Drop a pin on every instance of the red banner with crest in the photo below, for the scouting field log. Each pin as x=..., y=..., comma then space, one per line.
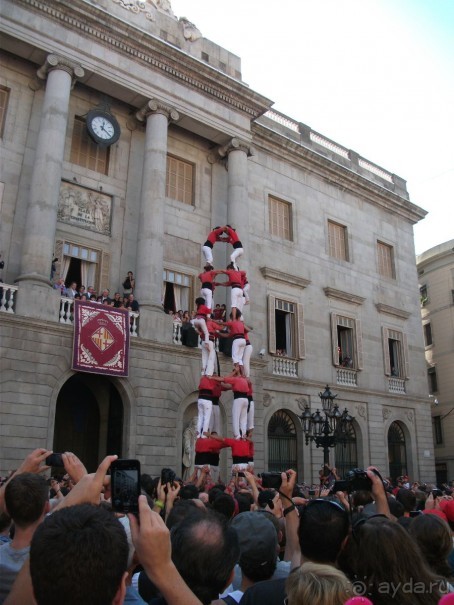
x=101, y=339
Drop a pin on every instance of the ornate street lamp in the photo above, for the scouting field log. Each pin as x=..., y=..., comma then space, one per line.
x=325, y=431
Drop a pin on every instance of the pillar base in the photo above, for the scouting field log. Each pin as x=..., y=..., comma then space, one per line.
x=154, y=324
x=37, y=299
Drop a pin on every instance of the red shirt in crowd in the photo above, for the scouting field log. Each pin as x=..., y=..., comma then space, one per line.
x=203, y=311
x=233, y=235
x=239, y=447
x=236, y=327
x=207, y=384
x=239, y=384
x=213, y=236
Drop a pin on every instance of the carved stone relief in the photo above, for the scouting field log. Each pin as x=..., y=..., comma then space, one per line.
x=84, y=208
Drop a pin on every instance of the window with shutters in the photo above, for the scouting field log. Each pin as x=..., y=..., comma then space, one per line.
x=337, y=240
x=286, y=328
x=85, y=152
x=180, y=180
x=280, y=218
x=4, y=98
x=83, y=265
x=395, y=352
x=346, y=340
x=433, y=382
x=427, y=334
x=438, y=431
x=177, y=291
x=397, y=451
x=385, y=260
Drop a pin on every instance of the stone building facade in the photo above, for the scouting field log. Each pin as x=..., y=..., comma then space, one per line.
x=436, y=283
x=327, y=234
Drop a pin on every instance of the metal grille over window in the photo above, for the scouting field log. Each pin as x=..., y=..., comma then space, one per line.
x=345, y=452
x=397, y=454
x=282, y=450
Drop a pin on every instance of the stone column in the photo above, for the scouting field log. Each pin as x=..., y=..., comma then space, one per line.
x=237, y=153
x=150, y=242
x=41, y=218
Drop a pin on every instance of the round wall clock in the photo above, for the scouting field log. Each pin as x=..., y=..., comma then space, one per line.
x=103, y=127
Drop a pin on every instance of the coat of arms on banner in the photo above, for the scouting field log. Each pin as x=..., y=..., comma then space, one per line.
x=101, y=339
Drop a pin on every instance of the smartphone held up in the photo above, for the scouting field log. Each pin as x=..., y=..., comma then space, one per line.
x=125, y=485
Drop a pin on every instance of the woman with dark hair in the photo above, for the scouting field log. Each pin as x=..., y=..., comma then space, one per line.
x=433, y=536
x=386, y=565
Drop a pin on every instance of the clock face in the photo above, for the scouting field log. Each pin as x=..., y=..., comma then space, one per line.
x=102, y=127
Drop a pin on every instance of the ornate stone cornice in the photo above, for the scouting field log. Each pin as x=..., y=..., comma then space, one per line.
x=345, y=296
x=100, y=27
x=382, y=308
x=293, y=280
x=52, y=62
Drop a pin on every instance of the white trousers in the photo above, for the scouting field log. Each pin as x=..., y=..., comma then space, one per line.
x=250, y=416
x=208, y=358
x=237, y=298
x=239, y=417
x=247, y=360
x=199, y=322
x=208, y=254
x=246, y=289
x=235, y=254
x=208, y=296
x=215, y=422
x=237, y=350
x=204, y=407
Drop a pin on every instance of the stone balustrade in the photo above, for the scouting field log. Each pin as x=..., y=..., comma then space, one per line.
x=396, y=385
x=346, y=377
x=284, y=366
x=66, y=315
x=7, y=297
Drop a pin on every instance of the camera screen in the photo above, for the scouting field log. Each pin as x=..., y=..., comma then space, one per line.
x=125, y=488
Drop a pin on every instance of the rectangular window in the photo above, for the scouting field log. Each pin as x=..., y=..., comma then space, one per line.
x=85, y=152
x=337, y=238
x=346, y=342
x=177, y=291
x=438, y=433
x=385, y=257
x=4, y=98
x=395, y=352
x=180, y=180
x=423, y=296
x=285, y=328
x=433, y=383
x=427, y=334
x=280, y=218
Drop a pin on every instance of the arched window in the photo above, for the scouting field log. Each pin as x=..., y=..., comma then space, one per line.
x=281, y=442
x=346, y=453
x=397, y=454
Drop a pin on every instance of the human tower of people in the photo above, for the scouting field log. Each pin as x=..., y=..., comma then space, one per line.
x=209, y=442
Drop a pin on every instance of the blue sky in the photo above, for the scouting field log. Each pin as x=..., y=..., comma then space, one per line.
x=377, y=76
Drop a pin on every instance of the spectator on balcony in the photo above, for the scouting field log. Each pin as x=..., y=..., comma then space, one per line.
x=129, y=284
x=105, y=298
x=81, y=290
x=91, y=292
x=132, y=304
x=117, y=300
x=60, y=285
x=72, y=290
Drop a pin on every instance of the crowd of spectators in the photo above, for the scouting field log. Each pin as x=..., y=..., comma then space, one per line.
x=197, y=542
x=124, y=300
